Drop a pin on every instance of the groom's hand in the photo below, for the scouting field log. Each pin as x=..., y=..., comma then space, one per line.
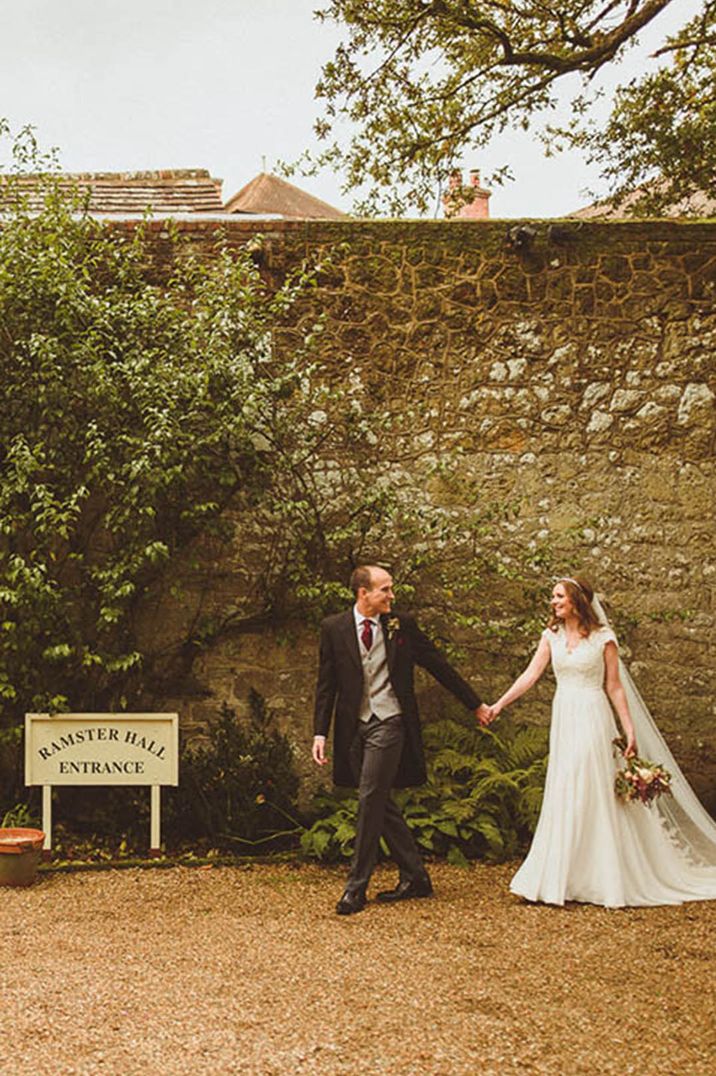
x=319, y=750
x=484, y=714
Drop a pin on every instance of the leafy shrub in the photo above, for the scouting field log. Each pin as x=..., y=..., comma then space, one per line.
x=21, y=816
x=482, y=797
x=484, y=790
x=143, y=397
x=331, y=837
x=135, y=413
x=239, y=788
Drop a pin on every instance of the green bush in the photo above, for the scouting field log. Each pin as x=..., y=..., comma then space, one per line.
x=21, y=816
x=481, y=800
x=134, y=413
x=238, y=789
x=332, y=836
x=141, y=398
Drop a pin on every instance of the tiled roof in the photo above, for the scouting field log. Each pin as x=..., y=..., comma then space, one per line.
x=186, y=190
x=699, y=204
x=267, y=193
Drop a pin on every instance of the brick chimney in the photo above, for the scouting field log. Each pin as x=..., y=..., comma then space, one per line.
x=471, y=202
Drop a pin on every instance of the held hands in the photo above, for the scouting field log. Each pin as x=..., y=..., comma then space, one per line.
x=485, y=714
x=319, y=750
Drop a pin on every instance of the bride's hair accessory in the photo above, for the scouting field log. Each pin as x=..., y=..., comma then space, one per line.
x=568, y=579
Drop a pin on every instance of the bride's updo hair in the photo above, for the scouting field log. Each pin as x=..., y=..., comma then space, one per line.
x=580, y=593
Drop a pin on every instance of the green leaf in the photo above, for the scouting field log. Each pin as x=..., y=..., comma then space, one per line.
x=456, y=857
x=58, y=652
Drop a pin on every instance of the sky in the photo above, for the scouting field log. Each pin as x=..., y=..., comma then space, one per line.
x=224, y=85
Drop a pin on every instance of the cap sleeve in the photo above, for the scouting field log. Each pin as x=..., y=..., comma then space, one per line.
x=606, y=635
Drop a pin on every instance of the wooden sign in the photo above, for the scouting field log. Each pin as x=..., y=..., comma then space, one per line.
x=102, y=749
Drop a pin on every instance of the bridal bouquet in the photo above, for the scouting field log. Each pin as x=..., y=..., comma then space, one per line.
x=641, y=780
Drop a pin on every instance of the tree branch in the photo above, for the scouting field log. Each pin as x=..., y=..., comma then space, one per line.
x=587, y=59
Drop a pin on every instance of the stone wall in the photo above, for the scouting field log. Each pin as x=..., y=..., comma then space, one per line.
x=572, y=366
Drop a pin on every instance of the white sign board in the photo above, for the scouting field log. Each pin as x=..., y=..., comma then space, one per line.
x=101, y=749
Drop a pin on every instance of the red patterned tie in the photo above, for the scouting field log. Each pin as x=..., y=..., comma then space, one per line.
x=367, y=634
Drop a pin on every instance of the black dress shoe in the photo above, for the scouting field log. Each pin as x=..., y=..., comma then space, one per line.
x=351, y=903
x=408, y=890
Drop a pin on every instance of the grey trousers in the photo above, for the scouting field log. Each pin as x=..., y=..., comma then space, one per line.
x=374, y=758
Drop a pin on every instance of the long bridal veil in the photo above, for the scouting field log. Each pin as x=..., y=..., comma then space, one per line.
x=687, y=823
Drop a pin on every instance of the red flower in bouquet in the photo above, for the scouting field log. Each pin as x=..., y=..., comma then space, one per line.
x=640, y=779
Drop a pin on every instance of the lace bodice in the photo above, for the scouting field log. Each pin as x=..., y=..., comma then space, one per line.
x=582, y=667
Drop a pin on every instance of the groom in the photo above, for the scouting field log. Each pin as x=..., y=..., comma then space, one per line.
x=365, y=672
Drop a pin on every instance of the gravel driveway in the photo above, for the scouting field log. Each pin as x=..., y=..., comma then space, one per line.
x=248, y=970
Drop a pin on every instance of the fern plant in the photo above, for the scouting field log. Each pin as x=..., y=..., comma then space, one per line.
x=483, y=793
x=332, y=835
x=481, y=800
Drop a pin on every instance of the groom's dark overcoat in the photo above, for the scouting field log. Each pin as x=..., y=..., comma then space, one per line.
x=340, y=687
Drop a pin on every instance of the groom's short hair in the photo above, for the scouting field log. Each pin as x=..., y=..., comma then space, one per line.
x=362, y=576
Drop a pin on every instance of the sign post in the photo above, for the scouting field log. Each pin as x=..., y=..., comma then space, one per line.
x=102, y=749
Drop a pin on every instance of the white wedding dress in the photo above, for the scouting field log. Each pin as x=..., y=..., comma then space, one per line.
x=589, y=845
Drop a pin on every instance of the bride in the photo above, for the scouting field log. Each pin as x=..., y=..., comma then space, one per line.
x=589, y=846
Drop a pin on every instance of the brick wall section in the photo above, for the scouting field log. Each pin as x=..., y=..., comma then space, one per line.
x=573, y=364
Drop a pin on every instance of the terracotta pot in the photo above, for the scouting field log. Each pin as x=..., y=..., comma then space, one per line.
x=20, y=852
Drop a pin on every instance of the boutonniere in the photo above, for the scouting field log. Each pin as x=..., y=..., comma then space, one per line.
x=392, y=625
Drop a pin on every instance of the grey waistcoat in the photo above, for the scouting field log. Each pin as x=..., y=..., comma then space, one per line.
x=378, y=695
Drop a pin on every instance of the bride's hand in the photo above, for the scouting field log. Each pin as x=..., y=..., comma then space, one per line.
x=630, y=749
